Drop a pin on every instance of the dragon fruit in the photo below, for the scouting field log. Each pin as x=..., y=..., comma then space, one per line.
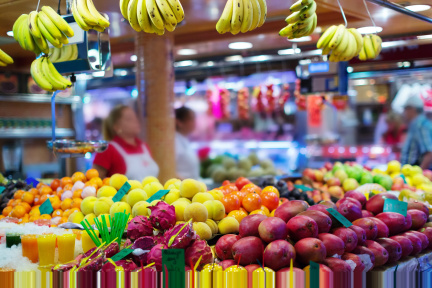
x=183, y=239
x=155, y=255
x=111, y=250
x=128, y=266
x=142, y=244
x=162, y=216
x=93, y=265
x=138, y=227
x=193, y=253
x=159, y=238
x=127, y=243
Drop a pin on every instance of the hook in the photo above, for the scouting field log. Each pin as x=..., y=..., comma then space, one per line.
x=343, y=14
x=370, y=16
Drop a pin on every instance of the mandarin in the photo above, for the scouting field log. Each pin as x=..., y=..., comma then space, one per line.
x=55, y=184
x=28, y=197
x=66, y=204
x=18, y=194
x=18, y=211
x=64, y=181
x=252, y=202
x=92, y=173
x=78, y=176
x=7, y=210
x=271, y=189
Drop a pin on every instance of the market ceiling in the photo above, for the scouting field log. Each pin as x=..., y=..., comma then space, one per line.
x=198, y=30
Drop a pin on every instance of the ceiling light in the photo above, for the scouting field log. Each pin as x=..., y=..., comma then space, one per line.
x=186, y=52
x=350, y=69
x=260, y=58
x=240, y=45
x=418, y=8
x=424, y=37
x=301, y=39
x=133, y=58
x=185, y=63
x=210, y=63
x=10, y=33
x=370, y=29
x=234, y=58
x=289, y=51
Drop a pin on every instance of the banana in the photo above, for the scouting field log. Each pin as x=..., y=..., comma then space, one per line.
x=57, y=75
x=224, y=23
x=293, y=18
x=167, y=14
x=42, y=44
x=143, y=17
x=169, y=27
x=58, y=21
x=79, y=20
x=85, y=13
x=38, y=76
x=55, y=54
x=288, y=30
x=27, y=38
x=309, y=12
x=333, y=57
x=359, y=39
x=5, y=57
x=17, y=25
x=303, y=31
x=368, y=46
x=55, y=42
x=342, y=45
x=49, y=25
x=307, y=2
x=18, y=33
x=98, y=28
x=325, y=50
x=124, y=4
x=314, y=25
x=133, y=16
x=337, y=37
x=157, y=30
x=326, y=37
x=32, y=23
x=297, y=6
x=63, y=39
x=74, y=54
x=65, y=55
x=247, y=16
x=362, y=54
x=155, y=16
x=351, y=48
x=256, y=14
x=2, y=64
x=46, y=73
x=305, y=23
x=376, y=41
x=177, y=9
x=237, y=17
x=100, y=18
x=263, y=10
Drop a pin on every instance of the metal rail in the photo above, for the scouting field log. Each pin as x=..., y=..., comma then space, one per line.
x=401, y=9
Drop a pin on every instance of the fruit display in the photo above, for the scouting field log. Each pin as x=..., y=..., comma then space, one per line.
x=65, y=53
x=5, y=59
x=372, y=46
x=10, y=187
x=242, y=16
x=87, y=16
x=46, y=75
x=152, y=16
x=302, y=21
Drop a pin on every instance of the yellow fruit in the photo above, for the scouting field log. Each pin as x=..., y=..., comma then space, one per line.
x=152, y=188
x=149, y=179
x=180, y=206
x=76, y=217
x=407, y=170
x=170, y=182
x=90, y=218
x=180, y=222
x=117, y=181
x=228, y=225
x=213, y=226
x=136, y=196
x=106, y=191
x=87, y=242
x=87, y=205
x=120, y=207
x=215, y=209
x=196, y=211
x=135, y=184
x=217, y=194
x=175, y=185
x=272, y=213
x=203, y=186
x=102, y=206
x=393, y=167
x=189, y=187
x=140, y=208
x=172, y=196
x=124, y=198
x=202, y=197
x=185, y=200
x=154, y=202
x=202, y=230
x=418, y=179
x=106, y=217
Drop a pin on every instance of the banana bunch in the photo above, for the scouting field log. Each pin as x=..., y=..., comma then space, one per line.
x=32, y=31
x=5, y=59
x=87, y=16
x=152, y=16
x=242, y=16
x=371, y=47
x=63, y=54
x=303, y=20
x=46, y=75
x=342, y=44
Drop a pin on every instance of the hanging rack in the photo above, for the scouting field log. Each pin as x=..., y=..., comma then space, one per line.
x=401, y=9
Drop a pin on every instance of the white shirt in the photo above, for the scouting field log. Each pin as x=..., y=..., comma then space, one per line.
x=187, y=161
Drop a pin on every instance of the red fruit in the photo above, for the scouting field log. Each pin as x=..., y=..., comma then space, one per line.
x=319, y=207
x=381, y=254
x=337, y=265
x=290, y=209
x=252, y=267
x=241, y=181
x=227, y=263
x=382, y=229
x=310, y=249
x=368, y=226
x=301, y=227
x=423, y=238
x=329, y=204
x=419, y=218
x=198, y=249
x=376, y=203
x=361, y=250
x=393, y=248
x=323, y=221
x=408, y=223
x=272, y=229
x=223, y=247
x=359, y=196
x=249, y=225
x=350, y=210
x=414, y=204
x=296, y=271
x=405, y=244
x=361, y=234
x=360, y=265
x=366, y=213
x=415, y=241
x=333, y=244
x=350, y=200
x=155, y=255
x=248, y=250
x=394, y=221
x=278, y=254
x=428, y=232
x=348, y=236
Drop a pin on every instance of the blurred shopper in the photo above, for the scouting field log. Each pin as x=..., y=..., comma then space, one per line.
x=126, y=154
x=396, y=130
x=417, y=149
x=186, y=158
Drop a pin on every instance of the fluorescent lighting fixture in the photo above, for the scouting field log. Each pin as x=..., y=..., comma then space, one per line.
x=418, y=8
x=369, y=29
x=98, y=74
x=350, y=69
x=389, y=44
x=10, y=33
x=186, y=52
x=305, y=61
x=240, y=45
x=424, y=37
x=259, y=58
x=234, y=58
x=289, y=51
x=301, y=39
x=185, y=63
x=210, y=63
x=133, y=58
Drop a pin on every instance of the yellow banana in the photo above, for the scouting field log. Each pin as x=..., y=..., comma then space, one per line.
x=155, y=16
x=133, y=16
x=289, y=29
x=46, y=73
x=309, y=12
x=4, y=57
x=49, y=25
x=177, y=9
x=42, y=44
x=66, y=52
x=293, y=18
x=343, y=44
x=143, y=17
x=351, y=48
x=58, y=21
x=256, y=14
x=57, y=75
x=44, y=31
x=38, y=76
x=368, y=46
x=314, y=25
x=85, y=13
x=17, y=28
x=74, y=54
x=124, y=4
x=337, y=37
x=100, y=18
x=224, y=23
x=305, y=23
x=237, y=17
x=55, y=54
x=32, y=23
x=263, y=10
x=325, y=50
x=79, y=20
x=362, y=54
x=157, y=30
x=326, y=37
x=2, y=64
x=247, y=16
x=27, y=38
x=376, y=41
x=167, y=14
x=297, y=6
x=359, y=39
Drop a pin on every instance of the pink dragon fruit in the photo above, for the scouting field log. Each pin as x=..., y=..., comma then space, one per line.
x=183, y=239
x=144, y=243
x=128, y=266
x=155, y=255
x=138, y=227
x=159, y=239
x=111, y=250
x=193, y=253
x=127, y=243
x=162, y=216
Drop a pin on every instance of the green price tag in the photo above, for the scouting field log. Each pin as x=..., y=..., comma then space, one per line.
x=303, y=187
x=403, y=178
x=46, y=208
x=2, y=188
x=123, y=253
x=173, y=263
x=339, y=217
x=158, y=195
x=314, y=275
x=121, y=192
x=392, y=205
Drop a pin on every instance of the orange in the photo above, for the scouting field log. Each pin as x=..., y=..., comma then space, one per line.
x=231, y=202
x=68, y=187
x=34, y=191
x=76, y=203
x=33, y=218
x=18, y=194
x=97, y=181
x=25, y=219
x=259, y=211
x=271, y=189
x=92, y=173
x=10, y=202
x=45, y=216
x=18, y=211
x=77, y=193
x=37, y=200
x=16, y=202
x=238, y=215
x=66, y=204
x=55, y=184
x=242, y=209
x=256, y=188
x=230, y=188
x=55, y=201
x=45, y=190
x=265, y=209
x=28, y=197
x=34, y=212
x=63, y=220
x=252, y=202
x=39, y=185
x=240, y=194
x=42, y=199
x=57, y=213
x=59, y=193
x=78, y=176
x=270, y=200
x=2, y=216
x=105, y=181
x=26, y=206
x=64, y=181
x=7, y=210
x=69, y=212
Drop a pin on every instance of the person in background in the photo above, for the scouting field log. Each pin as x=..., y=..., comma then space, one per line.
x=126, y=154
x=417, y=149
x=186, y=158
x=396, y=130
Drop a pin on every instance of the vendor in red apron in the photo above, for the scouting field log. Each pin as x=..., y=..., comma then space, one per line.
x=126, y=154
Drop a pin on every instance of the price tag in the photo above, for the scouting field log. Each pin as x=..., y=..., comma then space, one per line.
x=403, y=178
x=32, y=181
x=158, y=195
x=314, y=275
x=339, y=217
x=46, y=208
x=173, y=263
x=123, y=253
x=2, y=188
x=121, y=192
x=303, y=187
x=392, y=205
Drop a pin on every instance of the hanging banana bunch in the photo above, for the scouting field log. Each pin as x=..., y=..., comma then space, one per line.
x=371, y=48
x=66, y=53
x=46, y=75
x=242, y=16
x=303, y=20
x=5, y=59
x=87, y=16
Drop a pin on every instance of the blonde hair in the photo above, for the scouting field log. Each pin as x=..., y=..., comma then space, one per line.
x=109, y=122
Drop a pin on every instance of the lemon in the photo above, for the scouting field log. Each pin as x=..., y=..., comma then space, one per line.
x=90, y=218
x=102, y=205
x=87, y=205
x=76, y=217
x=120, y=207
x=393, y=167
x=180, y=206
x=196, y=211
x=228, y=225
x=215, y=209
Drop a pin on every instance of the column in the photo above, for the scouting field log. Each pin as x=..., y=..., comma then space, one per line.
x=155, y=84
